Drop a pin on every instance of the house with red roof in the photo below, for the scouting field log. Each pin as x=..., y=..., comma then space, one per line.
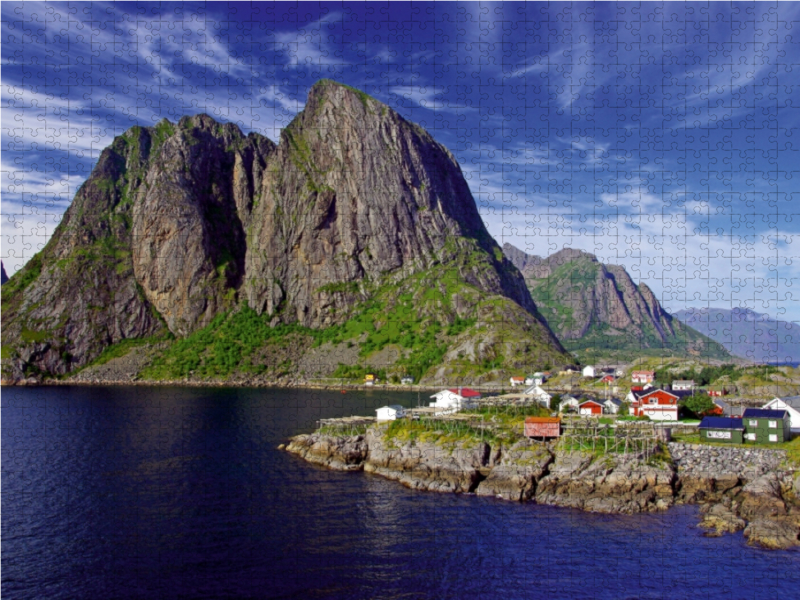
x=453, y=400
x=643, y=376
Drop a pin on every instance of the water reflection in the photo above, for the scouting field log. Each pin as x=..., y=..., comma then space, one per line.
x=148, y=492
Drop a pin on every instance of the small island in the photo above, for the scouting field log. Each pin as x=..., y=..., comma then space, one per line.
x=512, y=447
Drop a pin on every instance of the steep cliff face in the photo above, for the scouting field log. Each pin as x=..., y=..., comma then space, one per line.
x=355, y=214
x=590, y=305
x=354, y=193
x=189, y=216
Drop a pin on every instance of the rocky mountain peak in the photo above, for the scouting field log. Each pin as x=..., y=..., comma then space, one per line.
x=182, y=224
x=598, y=308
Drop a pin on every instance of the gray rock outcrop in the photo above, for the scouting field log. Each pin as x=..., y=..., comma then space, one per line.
x=759, y=499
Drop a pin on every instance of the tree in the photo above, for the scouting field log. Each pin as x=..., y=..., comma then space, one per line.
x=698, y=405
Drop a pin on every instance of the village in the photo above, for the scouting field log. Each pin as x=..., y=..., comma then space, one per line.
x=625, y=441
x=655, y=410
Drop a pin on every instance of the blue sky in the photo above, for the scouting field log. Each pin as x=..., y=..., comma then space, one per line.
x=661, y=136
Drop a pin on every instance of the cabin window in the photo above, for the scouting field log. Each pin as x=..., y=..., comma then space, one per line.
x=752, y=423
x=653, y=400
x=750, y=436
x=773, y=437
x=773, y=424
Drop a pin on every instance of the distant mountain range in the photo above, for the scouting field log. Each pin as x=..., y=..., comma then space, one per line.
x=743, y=332
x=598, y=311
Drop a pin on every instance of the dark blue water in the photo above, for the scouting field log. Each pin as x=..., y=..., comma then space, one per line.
x=180, y=493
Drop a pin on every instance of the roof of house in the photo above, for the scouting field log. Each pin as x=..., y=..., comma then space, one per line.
x=793, y=401
x=655, y=391
x=764, y=414
x=466, y=392
x=643, y=373
x=533, y=390
x=720, y=423
x=543, y=420
x=683, y=382
x=614, y=401
x=517, y=379
x=591, y=401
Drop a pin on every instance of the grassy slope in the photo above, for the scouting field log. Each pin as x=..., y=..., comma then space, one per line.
x=418, y=315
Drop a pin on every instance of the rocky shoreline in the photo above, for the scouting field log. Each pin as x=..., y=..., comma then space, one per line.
x=745, y=489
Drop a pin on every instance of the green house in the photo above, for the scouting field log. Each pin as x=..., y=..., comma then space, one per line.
x=766, y=426
x=722, y=429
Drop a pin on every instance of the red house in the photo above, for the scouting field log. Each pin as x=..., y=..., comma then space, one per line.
x=542, y=427
x=717, y=392
x=590, y=407
x=608, y=379
x=658, y=405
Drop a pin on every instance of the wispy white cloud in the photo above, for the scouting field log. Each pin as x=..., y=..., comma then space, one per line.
x=308, y=46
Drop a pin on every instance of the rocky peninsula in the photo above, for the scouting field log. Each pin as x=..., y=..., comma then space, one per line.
x=754, y=490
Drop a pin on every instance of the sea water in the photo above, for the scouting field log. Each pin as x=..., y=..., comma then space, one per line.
x=147, y=492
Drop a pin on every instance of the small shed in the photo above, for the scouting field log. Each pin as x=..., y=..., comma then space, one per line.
x=766, y=426
x=588, y=371
x=542, y=427
x=722, y=429
x=390, y=413
x=590, y=407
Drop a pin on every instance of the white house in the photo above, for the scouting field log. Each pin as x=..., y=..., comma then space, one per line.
x=450, y=401
x=541, y=396
x=568, y=402
x=611, y=406
x=791, y=404
x=683, y=385
x=390, y=413
x=588, y=371
x=643, y=376
x=515, y=381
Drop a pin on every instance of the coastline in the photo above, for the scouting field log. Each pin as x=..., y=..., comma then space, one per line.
x=284, y=384
x=738, y=489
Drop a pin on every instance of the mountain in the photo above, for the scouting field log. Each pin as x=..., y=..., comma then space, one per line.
x=598, y=311
x=3, y=276
x=210, y=245
x=746, y=333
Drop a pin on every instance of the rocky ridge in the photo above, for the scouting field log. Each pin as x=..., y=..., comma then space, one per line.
x=181, y=227
x=592, y=305
x=737, y=488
